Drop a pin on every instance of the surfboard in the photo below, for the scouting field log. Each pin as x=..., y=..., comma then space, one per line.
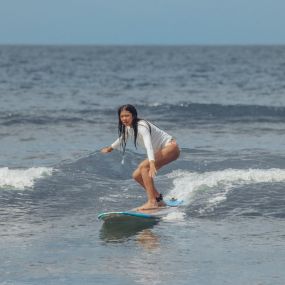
x=143, y=216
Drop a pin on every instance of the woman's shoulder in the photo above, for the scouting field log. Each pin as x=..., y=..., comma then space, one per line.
x=143, y=125
x=142, y=122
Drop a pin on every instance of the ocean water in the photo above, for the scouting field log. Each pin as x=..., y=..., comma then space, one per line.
x=226, y=107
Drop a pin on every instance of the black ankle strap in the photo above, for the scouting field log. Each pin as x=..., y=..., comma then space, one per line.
x=159, y=198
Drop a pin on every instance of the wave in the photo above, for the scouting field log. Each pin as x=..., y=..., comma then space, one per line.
x=187, y=185
x=182, y=112
x=37, y=119
x=216, y=112
x=22, y=178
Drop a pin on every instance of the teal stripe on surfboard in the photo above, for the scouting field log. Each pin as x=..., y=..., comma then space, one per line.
x=102, y=216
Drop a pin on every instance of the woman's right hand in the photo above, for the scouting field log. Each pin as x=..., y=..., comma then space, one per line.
x=106, y=149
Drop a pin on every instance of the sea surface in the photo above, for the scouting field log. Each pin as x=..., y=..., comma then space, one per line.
x=225, y=105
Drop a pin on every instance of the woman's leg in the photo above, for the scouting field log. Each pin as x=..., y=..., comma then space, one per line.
x=168, y=154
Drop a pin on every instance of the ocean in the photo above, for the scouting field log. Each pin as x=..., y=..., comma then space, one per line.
x=225, y=105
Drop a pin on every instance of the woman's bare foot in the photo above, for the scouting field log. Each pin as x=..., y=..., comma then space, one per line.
x=149, y=205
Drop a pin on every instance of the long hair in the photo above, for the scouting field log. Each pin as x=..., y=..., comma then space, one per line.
x=122, y=129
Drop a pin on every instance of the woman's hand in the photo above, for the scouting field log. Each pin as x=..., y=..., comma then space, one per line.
x=106, y=149
x=152, y=169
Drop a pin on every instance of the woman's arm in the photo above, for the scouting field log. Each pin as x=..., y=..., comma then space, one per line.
x=144, y=131
x=152, y=169
x=115, y=144
x=106, y=149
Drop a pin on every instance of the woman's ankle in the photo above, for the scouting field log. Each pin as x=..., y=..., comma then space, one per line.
x=159, y=198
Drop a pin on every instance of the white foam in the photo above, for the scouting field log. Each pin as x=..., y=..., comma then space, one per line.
x=187, y=184
x=22, y=178
x=175, y=216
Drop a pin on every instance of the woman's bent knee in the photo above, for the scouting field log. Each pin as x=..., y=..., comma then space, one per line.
x=144, y=167
x=136, y=174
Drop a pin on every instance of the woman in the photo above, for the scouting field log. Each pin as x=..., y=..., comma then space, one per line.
x=161, y=149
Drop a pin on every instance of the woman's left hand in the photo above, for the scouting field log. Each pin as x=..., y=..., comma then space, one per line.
x=152, y=169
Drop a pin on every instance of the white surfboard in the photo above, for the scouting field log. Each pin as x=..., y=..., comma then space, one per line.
x=143, y=216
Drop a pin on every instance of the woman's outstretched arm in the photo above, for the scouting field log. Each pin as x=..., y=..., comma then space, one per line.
x=106, y=149
x=114, y=145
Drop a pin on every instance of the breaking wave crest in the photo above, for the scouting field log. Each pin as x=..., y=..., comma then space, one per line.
x=188, y=184
x=22, y=178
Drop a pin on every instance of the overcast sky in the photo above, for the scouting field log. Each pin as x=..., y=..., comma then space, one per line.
x=142, y=22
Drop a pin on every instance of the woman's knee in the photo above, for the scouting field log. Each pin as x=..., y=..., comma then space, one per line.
x=136, y=174
x=144, y=166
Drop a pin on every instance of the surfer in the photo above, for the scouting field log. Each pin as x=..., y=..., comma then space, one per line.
x=161, y=149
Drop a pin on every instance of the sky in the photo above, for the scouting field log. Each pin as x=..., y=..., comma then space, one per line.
x=142, y=22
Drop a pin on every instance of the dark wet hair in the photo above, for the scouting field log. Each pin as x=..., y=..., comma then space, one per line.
x=122, y=129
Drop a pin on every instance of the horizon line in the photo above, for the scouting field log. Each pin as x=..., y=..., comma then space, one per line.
x=142, y=44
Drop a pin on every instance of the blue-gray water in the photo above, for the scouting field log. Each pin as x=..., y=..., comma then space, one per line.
x=226, y=107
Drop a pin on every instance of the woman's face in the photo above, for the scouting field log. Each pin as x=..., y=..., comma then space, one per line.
x=126, y=118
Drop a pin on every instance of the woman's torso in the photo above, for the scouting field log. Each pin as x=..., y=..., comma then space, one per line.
x=158, y=137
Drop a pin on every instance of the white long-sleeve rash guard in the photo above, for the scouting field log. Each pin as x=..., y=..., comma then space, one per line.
x=151, y=141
